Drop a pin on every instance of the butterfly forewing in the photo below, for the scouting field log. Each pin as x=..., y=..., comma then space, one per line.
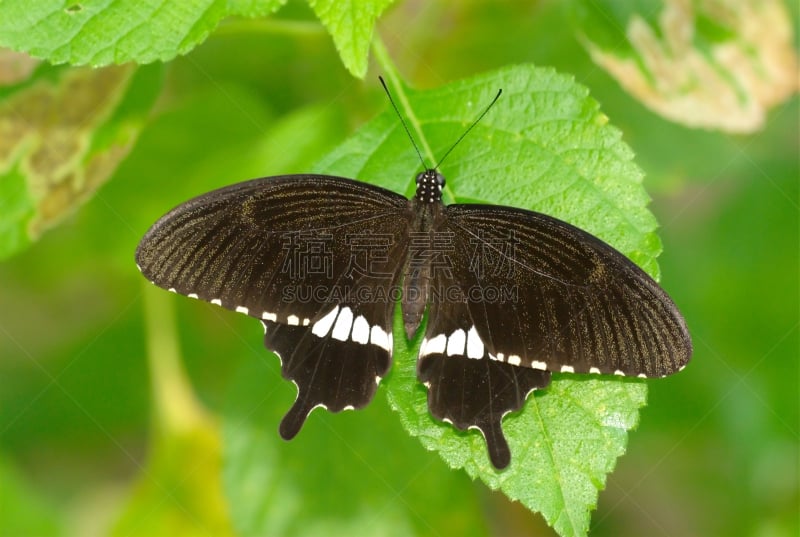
x=314, y=257
x=241, y=246
x=546, y=295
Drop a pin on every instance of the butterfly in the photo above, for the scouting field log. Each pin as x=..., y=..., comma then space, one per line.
x=511, y=295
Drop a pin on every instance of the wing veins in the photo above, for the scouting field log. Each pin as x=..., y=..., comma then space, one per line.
x=520, y=263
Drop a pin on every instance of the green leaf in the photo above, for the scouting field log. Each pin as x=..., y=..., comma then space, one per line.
x=350, y=23
x=17, y=208
x=707, y=63
x=64, y=132
x=116, y=31
x=544, y=146
x=102, y=33
x=119, y=31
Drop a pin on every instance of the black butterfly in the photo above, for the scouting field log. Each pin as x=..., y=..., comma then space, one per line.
x=512, y=295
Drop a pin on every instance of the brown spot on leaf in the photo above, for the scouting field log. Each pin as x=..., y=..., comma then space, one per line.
x=15, y=67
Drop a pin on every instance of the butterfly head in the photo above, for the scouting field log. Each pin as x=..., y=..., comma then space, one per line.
x=429, y=186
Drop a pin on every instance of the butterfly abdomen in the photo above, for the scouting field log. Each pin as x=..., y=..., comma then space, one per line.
x=424, y=250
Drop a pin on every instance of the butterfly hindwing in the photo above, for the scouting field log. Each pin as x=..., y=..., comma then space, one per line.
x=297, y=252
x=337, y=364
x=465, y=386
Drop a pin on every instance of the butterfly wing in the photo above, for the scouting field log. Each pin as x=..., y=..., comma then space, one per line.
x=528, y=295
x=572, y=304
x=298, y=253
x=465, y=386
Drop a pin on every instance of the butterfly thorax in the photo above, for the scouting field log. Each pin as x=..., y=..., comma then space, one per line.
x=429, y=186
x=427, y=220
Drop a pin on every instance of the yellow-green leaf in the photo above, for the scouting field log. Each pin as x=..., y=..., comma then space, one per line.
x=715, y=64
x=63, y=132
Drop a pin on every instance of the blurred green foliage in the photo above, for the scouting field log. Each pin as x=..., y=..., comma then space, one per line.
x=716, y=452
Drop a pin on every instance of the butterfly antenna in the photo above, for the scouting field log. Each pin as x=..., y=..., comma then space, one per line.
x=402, y=121
x=480, y=117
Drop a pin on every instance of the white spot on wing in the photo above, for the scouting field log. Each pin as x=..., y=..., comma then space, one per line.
x=529, y=392
x=216, y=301
x=513, y=359
x=567, y=369
x=436, y=345
x=594, y=370
x=474, y=344
x=172, y=290
x=306, y=321
x=323, y=326
x=267, y=316
x=456, y=343
x=538, y=365
x=642, y=376
x=619, y=372
x=242, y=309
x=192, y=295
x=360, y=330
x=344, y=322
x=293, y=320
x=378, y=337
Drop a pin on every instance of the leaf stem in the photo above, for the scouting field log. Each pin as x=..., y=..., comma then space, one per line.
x=175, y=406
x=270, y=26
